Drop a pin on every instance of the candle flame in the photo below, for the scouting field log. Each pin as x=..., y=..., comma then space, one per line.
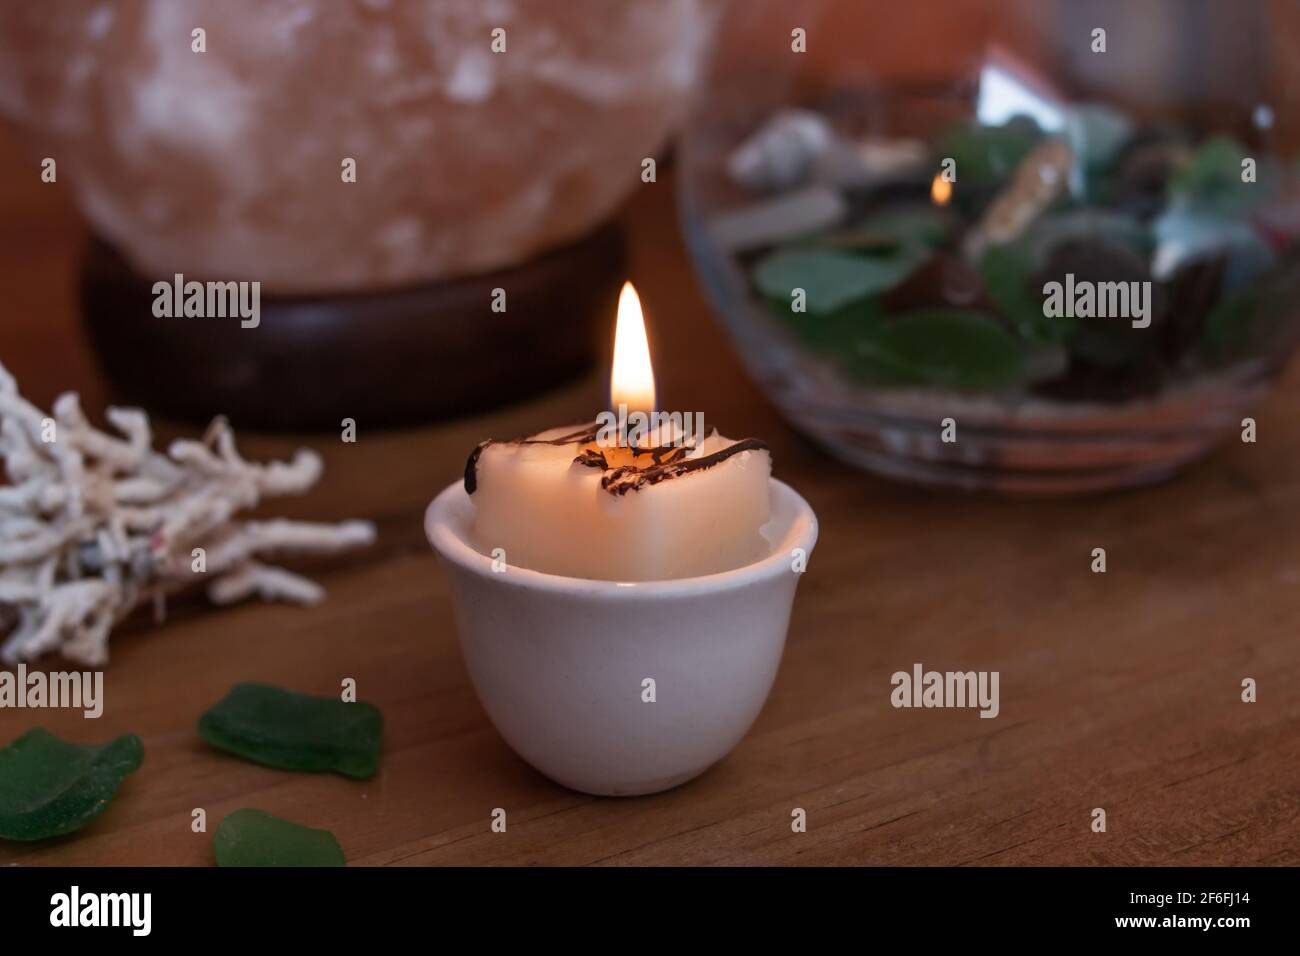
x=632, y=381
x=940, y=190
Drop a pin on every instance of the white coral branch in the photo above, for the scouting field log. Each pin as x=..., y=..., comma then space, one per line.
x=271, y=584
x=92, y=524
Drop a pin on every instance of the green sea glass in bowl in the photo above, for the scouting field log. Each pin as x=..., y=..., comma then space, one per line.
x=1031, y=246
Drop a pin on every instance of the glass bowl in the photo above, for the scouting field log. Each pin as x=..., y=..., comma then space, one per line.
x=1032, y=246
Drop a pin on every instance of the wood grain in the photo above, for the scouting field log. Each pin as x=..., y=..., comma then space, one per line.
x=1119, y=691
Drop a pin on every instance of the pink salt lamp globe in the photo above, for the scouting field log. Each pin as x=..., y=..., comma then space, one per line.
x=380, y=168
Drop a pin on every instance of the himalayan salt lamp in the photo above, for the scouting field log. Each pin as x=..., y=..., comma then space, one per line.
x=473, y=150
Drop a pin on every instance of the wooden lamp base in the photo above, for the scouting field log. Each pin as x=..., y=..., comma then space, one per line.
x=388, y=357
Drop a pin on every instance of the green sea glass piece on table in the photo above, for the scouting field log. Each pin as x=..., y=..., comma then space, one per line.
x=254, y=838
x=50, y=786
x=292, y=731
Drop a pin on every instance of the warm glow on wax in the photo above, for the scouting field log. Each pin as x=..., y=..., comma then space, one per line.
x=632, y=381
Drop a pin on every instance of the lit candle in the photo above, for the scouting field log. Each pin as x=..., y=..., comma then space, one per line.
x=631, y=375
x=592, y=565
x=636, y=495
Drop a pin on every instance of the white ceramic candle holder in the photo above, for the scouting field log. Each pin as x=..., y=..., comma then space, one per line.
x=561, y=664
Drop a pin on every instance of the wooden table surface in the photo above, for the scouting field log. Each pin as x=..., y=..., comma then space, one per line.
x=1119, y=691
